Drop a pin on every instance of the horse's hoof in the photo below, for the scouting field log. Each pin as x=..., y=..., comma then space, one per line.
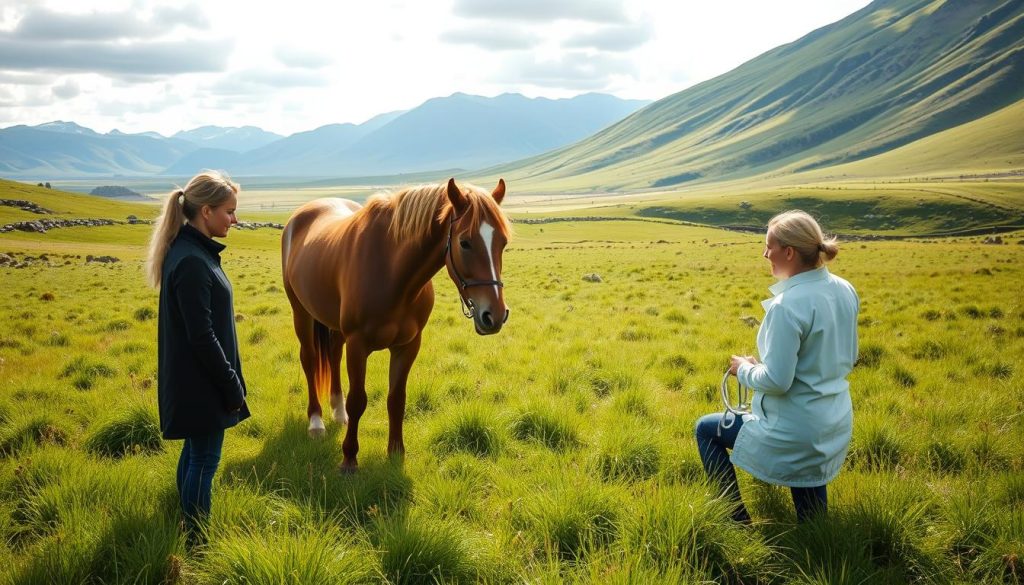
x=340, y=416
x=316, y=427
x=346, y=469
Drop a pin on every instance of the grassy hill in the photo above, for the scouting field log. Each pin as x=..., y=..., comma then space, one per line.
x=66, y=205
x=910, y=209
x=989, y=146
x=890, y=75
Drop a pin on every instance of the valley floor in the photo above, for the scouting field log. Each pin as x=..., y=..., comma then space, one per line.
x=559, y=450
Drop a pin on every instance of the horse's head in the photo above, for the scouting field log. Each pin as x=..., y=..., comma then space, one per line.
x=477, y=234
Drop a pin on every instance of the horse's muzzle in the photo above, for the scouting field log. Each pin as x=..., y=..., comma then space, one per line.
x=487, y=324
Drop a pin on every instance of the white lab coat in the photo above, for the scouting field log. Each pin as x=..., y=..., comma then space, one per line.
x=802, y=421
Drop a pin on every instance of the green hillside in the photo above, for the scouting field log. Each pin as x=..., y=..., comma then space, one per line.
x=65, y=205
x=868, y=209
x=989, y=146
x=890, y=75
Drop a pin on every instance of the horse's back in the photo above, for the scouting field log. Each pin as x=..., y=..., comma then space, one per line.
x=312, y=219
x=322, y=212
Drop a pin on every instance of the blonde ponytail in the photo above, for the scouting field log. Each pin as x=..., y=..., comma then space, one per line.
x=207, y=188
x=164, y=232
x=798, y=230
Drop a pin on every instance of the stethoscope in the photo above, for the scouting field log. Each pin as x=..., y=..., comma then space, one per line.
x=731, y=412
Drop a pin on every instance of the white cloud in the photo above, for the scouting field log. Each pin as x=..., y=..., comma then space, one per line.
x=290, y=56
x=19, y=78
x=261, y=81
x=67, y=90
x=167, y=40
x=543, y=10
x=492, y=37
x=576, y=70
x=613, y=38
x=136, y=58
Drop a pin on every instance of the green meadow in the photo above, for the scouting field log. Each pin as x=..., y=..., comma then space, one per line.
x=560, y=450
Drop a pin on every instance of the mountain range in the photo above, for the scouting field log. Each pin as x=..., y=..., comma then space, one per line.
x=866, y=89
x=458, y=131
x=900, y=88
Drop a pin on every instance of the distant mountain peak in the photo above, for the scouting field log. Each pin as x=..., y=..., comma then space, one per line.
x=116, y=132
x=65, y=127
x=234, y=138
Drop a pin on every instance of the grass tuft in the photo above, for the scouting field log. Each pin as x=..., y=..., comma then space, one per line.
x=545, y=428
x=474, y=430
x=945, y=457
x=133, y=432
x=876, y=447
x=117, y=326
x=40, y=429
x=287, y=554
x=84, y=372
x=570, y=520
x=903, y=377
x=424, y=550
x=870, y=355
x=685, y=525
x=58, y=339
x=628, y=456
x=258, y=335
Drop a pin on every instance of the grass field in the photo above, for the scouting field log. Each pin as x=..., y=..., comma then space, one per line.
x=559, y=450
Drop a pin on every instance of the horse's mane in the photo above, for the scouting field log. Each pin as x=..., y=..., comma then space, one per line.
x=415, y=209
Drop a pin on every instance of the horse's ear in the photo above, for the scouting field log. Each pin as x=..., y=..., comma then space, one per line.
x=458, y=200
x=499, y=191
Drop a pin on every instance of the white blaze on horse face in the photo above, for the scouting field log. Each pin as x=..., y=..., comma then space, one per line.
x=487, y=233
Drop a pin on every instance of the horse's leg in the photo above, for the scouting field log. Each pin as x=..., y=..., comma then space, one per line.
x=402, y=358
x=337, y=399
x=355, y=360
x=310, y=359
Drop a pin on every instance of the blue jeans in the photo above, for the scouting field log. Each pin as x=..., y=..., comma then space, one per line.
x=196, y=468
x=712, y=446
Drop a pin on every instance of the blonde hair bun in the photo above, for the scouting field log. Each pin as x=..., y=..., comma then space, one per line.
x=797, y=229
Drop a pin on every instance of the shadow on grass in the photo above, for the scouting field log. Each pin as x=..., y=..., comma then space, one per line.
x=306, y=471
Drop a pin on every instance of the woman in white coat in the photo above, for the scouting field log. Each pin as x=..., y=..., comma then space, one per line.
x=802, y=419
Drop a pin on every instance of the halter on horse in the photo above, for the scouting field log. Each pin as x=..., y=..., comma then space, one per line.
x=359, y=278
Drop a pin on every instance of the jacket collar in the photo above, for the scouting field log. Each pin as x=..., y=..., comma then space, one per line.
x=798, y=279
x=214, y=248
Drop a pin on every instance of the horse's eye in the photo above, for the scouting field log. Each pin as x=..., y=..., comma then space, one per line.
x=464, y=244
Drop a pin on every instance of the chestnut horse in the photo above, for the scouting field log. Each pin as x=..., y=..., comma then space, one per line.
x=360, y=278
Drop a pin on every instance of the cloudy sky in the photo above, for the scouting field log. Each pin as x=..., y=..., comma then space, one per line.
x=140, y=65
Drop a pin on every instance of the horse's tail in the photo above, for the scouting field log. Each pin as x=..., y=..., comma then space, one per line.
x=322, y=352
x=286, y=246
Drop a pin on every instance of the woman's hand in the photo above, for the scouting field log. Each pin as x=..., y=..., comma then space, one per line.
x=736, y=360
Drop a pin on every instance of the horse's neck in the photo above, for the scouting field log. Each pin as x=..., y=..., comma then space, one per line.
x=417, y=263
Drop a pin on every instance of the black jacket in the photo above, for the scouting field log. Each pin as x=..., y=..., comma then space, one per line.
x=200, y=385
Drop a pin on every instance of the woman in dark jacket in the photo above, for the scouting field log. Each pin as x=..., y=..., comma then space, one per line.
x=201, y=390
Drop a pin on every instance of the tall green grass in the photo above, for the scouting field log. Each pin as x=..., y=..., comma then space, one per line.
x=560, y=450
